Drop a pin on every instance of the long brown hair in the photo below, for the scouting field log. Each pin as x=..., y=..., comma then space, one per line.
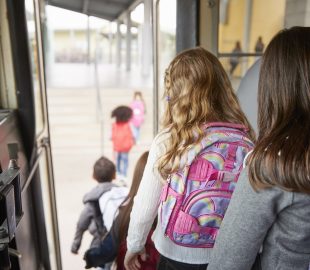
x=197, y=90
x=125, y=209
x=282, y=153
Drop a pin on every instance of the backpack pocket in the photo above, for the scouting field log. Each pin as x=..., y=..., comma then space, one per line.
x=166, y=210
x=200, y=218
x=170, y=203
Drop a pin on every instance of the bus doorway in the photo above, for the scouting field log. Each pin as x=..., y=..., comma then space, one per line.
x=87, y=77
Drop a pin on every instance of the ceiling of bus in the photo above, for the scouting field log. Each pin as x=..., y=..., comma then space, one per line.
x=105, y=9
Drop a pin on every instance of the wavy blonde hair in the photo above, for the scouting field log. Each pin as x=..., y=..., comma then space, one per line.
x=198, y=91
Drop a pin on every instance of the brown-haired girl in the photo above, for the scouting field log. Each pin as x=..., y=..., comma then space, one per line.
x=269, y=214
x=120, y=231
x=198, y=91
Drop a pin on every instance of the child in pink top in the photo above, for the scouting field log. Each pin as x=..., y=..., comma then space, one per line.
x=138, y=109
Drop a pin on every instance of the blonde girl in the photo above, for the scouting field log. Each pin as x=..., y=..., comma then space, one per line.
x=197, y=91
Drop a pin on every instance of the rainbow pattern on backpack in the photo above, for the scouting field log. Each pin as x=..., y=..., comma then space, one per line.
x=195, y=199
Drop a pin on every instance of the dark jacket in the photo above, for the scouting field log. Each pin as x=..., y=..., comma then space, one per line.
x=91, y=218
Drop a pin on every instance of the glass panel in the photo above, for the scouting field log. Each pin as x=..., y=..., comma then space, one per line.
x=252, y=23
x=243, y=65
x=231, y=24
x=33, y=48
x=245, y=29
x=7, y=78
x=166, y=43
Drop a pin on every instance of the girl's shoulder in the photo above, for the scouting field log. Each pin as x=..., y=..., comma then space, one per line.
x=161, y=137
x=266, y=197
x=158, y=144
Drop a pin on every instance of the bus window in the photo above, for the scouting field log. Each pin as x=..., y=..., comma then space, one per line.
x=7, y=83
x=245, y=29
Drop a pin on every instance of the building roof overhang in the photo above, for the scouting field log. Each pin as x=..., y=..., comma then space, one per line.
x=105, y=9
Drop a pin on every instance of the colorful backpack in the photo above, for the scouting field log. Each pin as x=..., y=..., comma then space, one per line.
x=195, y=199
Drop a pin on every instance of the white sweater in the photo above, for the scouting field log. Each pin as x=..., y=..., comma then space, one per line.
x=145, y=209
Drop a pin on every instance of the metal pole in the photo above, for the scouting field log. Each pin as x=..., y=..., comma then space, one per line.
x=128, y=42
x=110, y=43
x=247, y=32
x=88, y=40
x=99, y=109
x=119, y=44
x=155, y=24
x=147, y=39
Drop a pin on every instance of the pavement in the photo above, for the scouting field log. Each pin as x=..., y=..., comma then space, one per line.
x=80, y=135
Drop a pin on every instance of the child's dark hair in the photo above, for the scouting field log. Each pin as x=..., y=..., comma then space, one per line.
x=122, y=114
x=104, y=170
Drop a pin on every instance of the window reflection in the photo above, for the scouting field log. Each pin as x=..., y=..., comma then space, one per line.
x=245, y=29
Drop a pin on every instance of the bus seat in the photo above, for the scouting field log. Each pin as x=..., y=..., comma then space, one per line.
x=247, y=93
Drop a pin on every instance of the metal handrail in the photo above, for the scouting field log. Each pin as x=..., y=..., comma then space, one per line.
x=241, y=54
x=99, y=109
x=33, y=170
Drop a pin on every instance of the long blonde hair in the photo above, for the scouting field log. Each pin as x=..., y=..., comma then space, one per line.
x=198, y=91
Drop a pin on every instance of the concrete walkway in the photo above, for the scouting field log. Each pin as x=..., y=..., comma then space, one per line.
x=76, y=137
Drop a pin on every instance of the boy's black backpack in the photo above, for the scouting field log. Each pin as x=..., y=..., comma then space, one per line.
x=104, y=253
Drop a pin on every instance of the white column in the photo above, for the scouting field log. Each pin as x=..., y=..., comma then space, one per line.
x=147, y=39
x=118, y=44
x=110, y=43
x=128, y=41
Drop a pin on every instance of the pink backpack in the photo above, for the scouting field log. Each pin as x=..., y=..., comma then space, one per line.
x=195, y=199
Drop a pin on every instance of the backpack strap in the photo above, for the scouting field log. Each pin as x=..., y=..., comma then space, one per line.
x=231, y=157
x=227, y=125
x=245, y=158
